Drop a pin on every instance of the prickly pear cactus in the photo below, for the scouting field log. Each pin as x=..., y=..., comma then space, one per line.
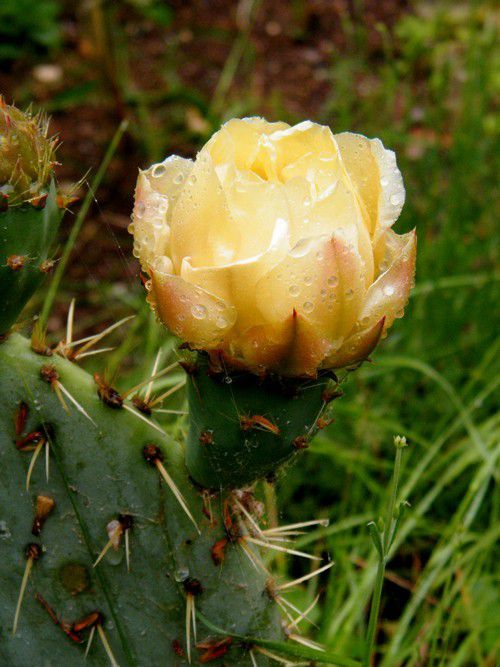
x=118, y=544
x=30, y=210
x=103, y=476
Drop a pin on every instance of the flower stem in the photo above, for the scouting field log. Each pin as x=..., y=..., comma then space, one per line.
x=383, y=537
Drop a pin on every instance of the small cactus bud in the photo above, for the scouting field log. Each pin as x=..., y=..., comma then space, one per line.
x=26, y=156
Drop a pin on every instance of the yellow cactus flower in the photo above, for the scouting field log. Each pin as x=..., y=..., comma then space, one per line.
x=274, y=247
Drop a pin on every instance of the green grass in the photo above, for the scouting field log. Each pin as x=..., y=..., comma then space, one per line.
x=434, y=380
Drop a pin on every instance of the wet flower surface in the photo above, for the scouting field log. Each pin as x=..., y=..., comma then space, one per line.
x=275, y=245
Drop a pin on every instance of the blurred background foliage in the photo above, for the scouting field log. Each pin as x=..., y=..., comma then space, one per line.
x=422, y=76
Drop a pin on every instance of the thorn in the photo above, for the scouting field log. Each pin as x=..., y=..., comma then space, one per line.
x=149, y=380
x=296, y=609
x=113, y=541
x=153, y=456
x=79, y=407
x=255, y=560
x=277, y=658
x=90, y=341
x=69, y=322
x=276, y=547
x=127, y=549
x=139, y=415
x=304, y=614
x=189, y=615
x=89, y=642
x=149, y=388
x=301, y=524
x=31, y=466
x=44, y=506
x=168, y=393
x=115, y=530
x=92, y=353
x=33, y=552
x=47, y=461
x=39, y=340
x=300, y=580
x=306, y=642
x=107, y=647
x=249, y=517
x=171, y=412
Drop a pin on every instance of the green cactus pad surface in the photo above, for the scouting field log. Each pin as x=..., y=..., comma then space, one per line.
x=98, y=474
x=243, y=427
x=26, y=236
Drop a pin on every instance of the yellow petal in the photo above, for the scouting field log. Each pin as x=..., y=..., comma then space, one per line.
x=255, y=206
x=156, y=192
x=236, y=283
x=356, y=348
x=376, y=178
x=190, y=312
x=320, y=279
x=202, y=227
x=389, y=293
x=237, y=142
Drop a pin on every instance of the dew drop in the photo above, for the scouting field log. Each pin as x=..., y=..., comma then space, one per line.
x=139, y=209
x=221, y=322
x=308, y=306
x=308, y=280
x=384, y=182
x=199, y=312
x=395, y=200
x=388, y=290
x=332, y=281
x=179, y=178
x=131, y=228
x=158, y=171
x=294, y=290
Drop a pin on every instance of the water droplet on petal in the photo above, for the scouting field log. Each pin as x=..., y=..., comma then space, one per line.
x=308, y=306
x=332, y=281
x=158, y=171
x=199, y=312
x=388, y=290
x=294, y=290
x=179, y=178
x=384, y=182
x=308, y=280
x=395, y=200
x=221, y=322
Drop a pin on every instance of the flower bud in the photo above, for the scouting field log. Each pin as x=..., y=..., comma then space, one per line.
x=27, y=156
x=273, y=249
